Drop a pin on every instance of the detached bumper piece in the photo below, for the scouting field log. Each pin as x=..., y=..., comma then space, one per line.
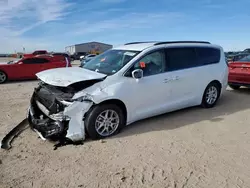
x=7, y=140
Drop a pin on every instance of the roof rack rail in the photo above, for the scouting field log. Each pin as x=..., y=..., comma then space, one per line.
x=174, y=42
x=140, y=42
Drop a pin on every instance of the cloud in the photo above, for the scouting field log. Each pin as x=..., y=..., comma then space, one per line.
x=20, y=16
x=129, y=21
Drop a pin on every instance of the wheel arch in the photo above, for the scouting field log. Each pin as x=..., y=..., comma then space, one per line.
x=213, y=81
x=117, y=102
x=1, y=70
x=217, y=82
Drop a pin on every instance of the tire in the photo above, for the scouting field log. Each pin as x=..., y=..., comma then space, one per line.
x=235, y=87
x=92, y=124
x=215, y=90
x=3, y=77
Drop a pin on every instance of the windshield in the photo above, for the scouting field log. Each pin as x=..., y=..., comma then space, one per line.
x=110, y=61
x=245, y=59
x=12, y=62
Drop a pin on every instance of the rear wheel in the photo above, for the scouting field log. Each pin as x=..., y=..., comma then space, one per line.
x=211, y=95
x=235, y=87
x=104, y=121
x=3, y=77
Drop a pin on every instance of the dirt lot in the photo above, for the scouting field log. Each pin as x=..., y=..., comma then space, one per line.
x=190, y=148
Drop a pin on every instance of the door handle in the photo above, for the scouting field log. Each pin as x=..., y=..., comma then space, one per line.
x=171, y=79
x=166, y=80
x=176, y=78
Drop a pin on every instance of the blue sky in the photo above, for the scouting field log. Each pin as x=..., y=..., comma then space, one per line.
x=54, y=24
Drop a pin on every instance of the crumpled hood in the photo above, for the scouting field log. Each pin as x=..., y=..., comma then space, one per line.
x=64, y=77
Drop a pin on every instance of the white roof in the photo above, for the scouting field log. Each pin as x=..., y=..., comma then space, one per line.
x=144, y=45
x=135, y=47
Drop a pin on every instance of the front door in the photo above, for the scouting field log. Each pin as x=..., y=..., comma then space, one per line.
x=147, y=96
x=33, y=66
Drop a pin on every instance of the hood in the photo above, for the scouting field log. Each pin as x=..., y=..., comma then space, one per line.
x=63, y=77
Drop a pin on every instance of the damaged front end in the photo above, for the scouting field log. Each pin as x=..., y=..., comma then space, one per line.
x=54, y=115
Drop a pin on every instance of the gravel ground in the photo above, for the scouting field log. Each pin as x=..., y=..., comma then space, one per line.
x=190, y=148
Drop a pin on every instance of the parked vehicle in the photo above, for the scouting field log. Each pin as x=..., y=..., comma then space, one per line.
x=37, y=52
x=127, y=84
x=83, y=57
x=62, y=54
x=27, y=68
x=247, y=50
x=239, y=73
x=76, y=56
x=87, y=59
x=237, y=57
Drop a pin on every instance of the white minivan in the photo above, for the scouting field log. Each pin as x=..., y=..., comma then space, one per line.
x=126, y=84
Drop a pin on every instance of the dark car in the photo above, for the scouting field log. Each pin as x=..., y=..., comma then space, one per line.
x=236, y=57
x=77, y=55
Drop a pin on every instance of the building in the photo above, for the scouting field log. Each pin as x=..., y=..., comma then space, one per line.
x=90, y=47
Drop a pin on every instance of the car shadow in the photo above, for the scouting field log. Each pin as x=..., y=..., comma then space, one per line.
x=20, y=81
x=230, y=103
x=244, y=90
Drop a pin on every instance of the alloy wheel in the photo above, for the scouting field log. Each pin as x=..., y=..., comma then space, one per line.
x=107, y=122
x=3, y=77
x=211, y=95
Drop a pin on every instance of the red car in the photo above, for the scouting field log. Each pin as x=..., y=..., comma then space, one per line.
x=37, y=52
x=239, y=73
x=27, y=68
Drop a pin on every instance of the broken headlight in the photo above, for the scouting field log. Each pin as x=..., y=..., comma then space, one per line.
x=86, y=97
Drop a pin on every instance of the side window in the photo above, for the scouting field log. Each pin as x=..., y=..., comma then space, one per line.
x=35, y=61
x=181, y=58
x=151, y=64
x=27, y=61
x=41, y=60
x=208, y=56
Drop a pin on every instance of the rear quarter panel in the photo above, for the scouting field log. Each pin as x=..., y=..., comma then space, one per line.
x=218, y=71
x=56, y=62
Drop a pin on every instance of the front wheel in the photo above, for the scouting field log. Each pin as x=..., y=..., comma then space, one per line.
x=211, y=95
x=3, y=77
x=104, y=121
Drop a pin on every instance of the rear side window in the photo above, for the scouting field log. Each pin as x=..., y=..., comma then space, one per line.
x=208, y=56
x=35, y=61
x=181, y=58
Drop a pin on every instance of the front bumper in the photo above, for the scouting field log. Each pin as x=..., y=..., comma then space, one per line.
x=68, y=123
x=44, y=125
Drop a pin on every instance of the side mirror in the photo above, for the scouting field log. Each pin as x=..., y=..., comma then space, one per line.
x=137, y=74
x=20, y=63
